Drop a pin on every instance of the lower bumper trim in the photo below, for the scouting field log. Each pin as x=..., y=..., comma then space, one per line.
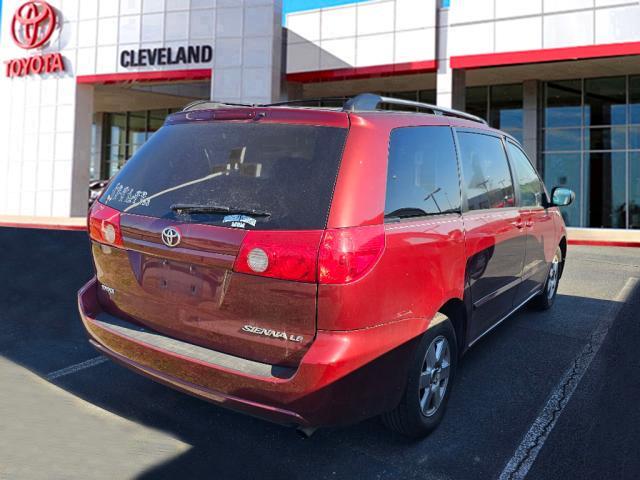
x=191, y=351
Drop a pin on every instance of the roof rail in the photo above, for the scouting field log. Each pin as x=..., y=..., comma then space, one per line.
x=370, y=101
x=211, y=105
x=307, y=100
x=359, y=103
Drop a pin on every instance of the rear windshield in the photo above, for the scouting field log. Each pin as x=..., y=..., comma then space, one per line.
x=262, y=176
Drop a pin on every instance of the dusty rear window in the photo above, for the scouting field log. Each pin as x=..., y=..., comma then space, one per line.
x=284, y=174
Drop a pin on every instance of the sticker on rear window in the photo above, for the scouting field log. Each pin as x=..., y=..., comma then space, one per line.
x=239, y=221
x=125, y=194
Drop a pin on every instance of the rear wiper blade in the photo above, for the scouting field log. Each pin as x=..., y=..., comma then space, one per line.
x=195, y=208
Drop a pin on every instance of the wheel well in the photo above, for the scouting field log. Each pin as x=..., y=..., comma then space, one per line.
x=563, y=249
x=455, y=310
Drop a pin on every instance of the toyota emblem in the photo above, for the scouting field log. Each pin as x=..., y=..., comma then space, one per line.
x=171, y=237
x=33, y=24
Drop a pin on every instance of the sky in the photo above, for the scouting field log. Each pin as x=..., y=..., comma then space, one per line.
x=298, y=5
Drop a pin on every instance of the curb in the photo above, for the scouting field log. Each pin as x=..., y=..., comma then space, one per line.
x=44, y=226
x=604, y=243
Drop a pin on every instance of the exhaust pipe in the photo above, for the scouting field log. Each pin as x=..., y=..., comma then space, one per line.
x=306, y=432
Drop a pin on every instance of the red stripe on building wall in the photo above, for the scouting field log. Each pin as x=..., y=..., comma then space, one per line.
x=155, y=76
x=427, y=66
x=546, y=55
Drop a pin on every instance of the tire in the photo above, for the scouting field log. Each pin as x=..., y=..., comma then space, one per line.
x=421, y=409
x=546, y=298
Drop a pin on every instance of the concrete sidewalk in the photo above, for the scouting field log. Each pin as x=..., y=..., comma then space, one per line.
x=604, y=237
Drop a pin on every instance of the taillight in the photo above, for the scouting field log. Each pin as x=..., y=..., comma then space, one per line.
x=104, y=225
x=288, y=255
x=334, y=256
x=347, y=254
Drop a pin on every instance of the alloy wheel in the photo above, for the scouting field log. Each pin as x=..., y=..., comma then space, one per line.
x=434, y=377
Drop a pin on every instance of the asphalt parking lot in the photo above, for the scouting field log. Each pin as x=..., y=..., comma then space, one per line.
x=67, y=413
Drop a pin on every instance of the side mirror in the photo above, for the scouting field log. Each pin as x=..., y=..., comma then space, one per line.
x=561, y=196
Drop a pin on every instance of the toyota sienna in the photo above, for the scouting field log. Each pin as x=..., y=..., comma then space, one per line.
x=319, y=266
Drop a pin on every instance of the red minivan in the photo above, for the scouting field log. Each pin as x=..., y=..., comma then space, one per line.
x=318, y=266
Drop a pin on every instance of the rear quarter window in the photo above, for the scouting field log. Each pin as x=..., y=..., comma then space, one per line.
x=422, y=174
x=286, y=171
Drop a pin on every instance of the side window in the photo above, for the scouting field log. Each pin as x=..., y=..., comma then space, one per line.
x=485, y=170
x=422, y=176
x=531, y=190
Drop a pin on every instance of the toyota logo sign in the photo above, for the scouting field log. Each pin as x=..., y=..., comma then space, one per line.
x=33, y=24
x=171, y=237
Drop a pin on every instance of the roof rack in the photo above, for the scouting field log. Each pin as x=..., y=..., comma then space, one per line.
x=370, y=101
x=359, y=103
x=307, y=100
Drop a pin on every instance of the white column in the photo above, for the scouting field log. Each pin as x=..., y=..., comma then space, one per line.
x=450, y=84
x=248, y=52
x=81, y=150
x=40, y=117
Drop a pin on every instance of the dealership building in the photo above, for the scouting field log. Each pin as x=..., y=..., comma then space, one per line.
x=85, y=83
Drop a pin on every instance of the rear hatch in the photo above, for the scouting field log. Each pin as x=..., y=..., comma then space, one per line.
x=194, y=209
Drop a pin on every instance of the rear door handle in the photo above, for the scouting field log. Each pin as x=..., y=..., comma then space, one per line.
x=519, y=224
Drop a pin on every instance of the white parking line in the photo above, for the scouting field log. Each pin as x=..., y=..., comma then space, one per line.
x=76, y=368
x=530, y=446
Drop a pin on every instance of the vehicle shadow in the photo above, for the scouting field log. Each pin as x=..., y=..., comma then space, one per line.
x=501, y=384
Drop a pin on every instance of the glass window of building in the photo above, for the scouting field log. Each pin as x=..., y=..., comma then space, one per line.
x=563, y=104
x=477, y=101
x=634, y=100
x=500, y=105
x=563, y=170
x=605, y=101
x=605, y=189
x=591, y=144
x=427, y=96
x=634, y=190
x=137, y=131
x=505, y=107
x=563, y=139
x=122, y=134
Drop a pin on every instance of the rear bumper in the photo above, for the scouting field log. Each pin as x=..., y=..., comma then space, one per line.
x=343, y=378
